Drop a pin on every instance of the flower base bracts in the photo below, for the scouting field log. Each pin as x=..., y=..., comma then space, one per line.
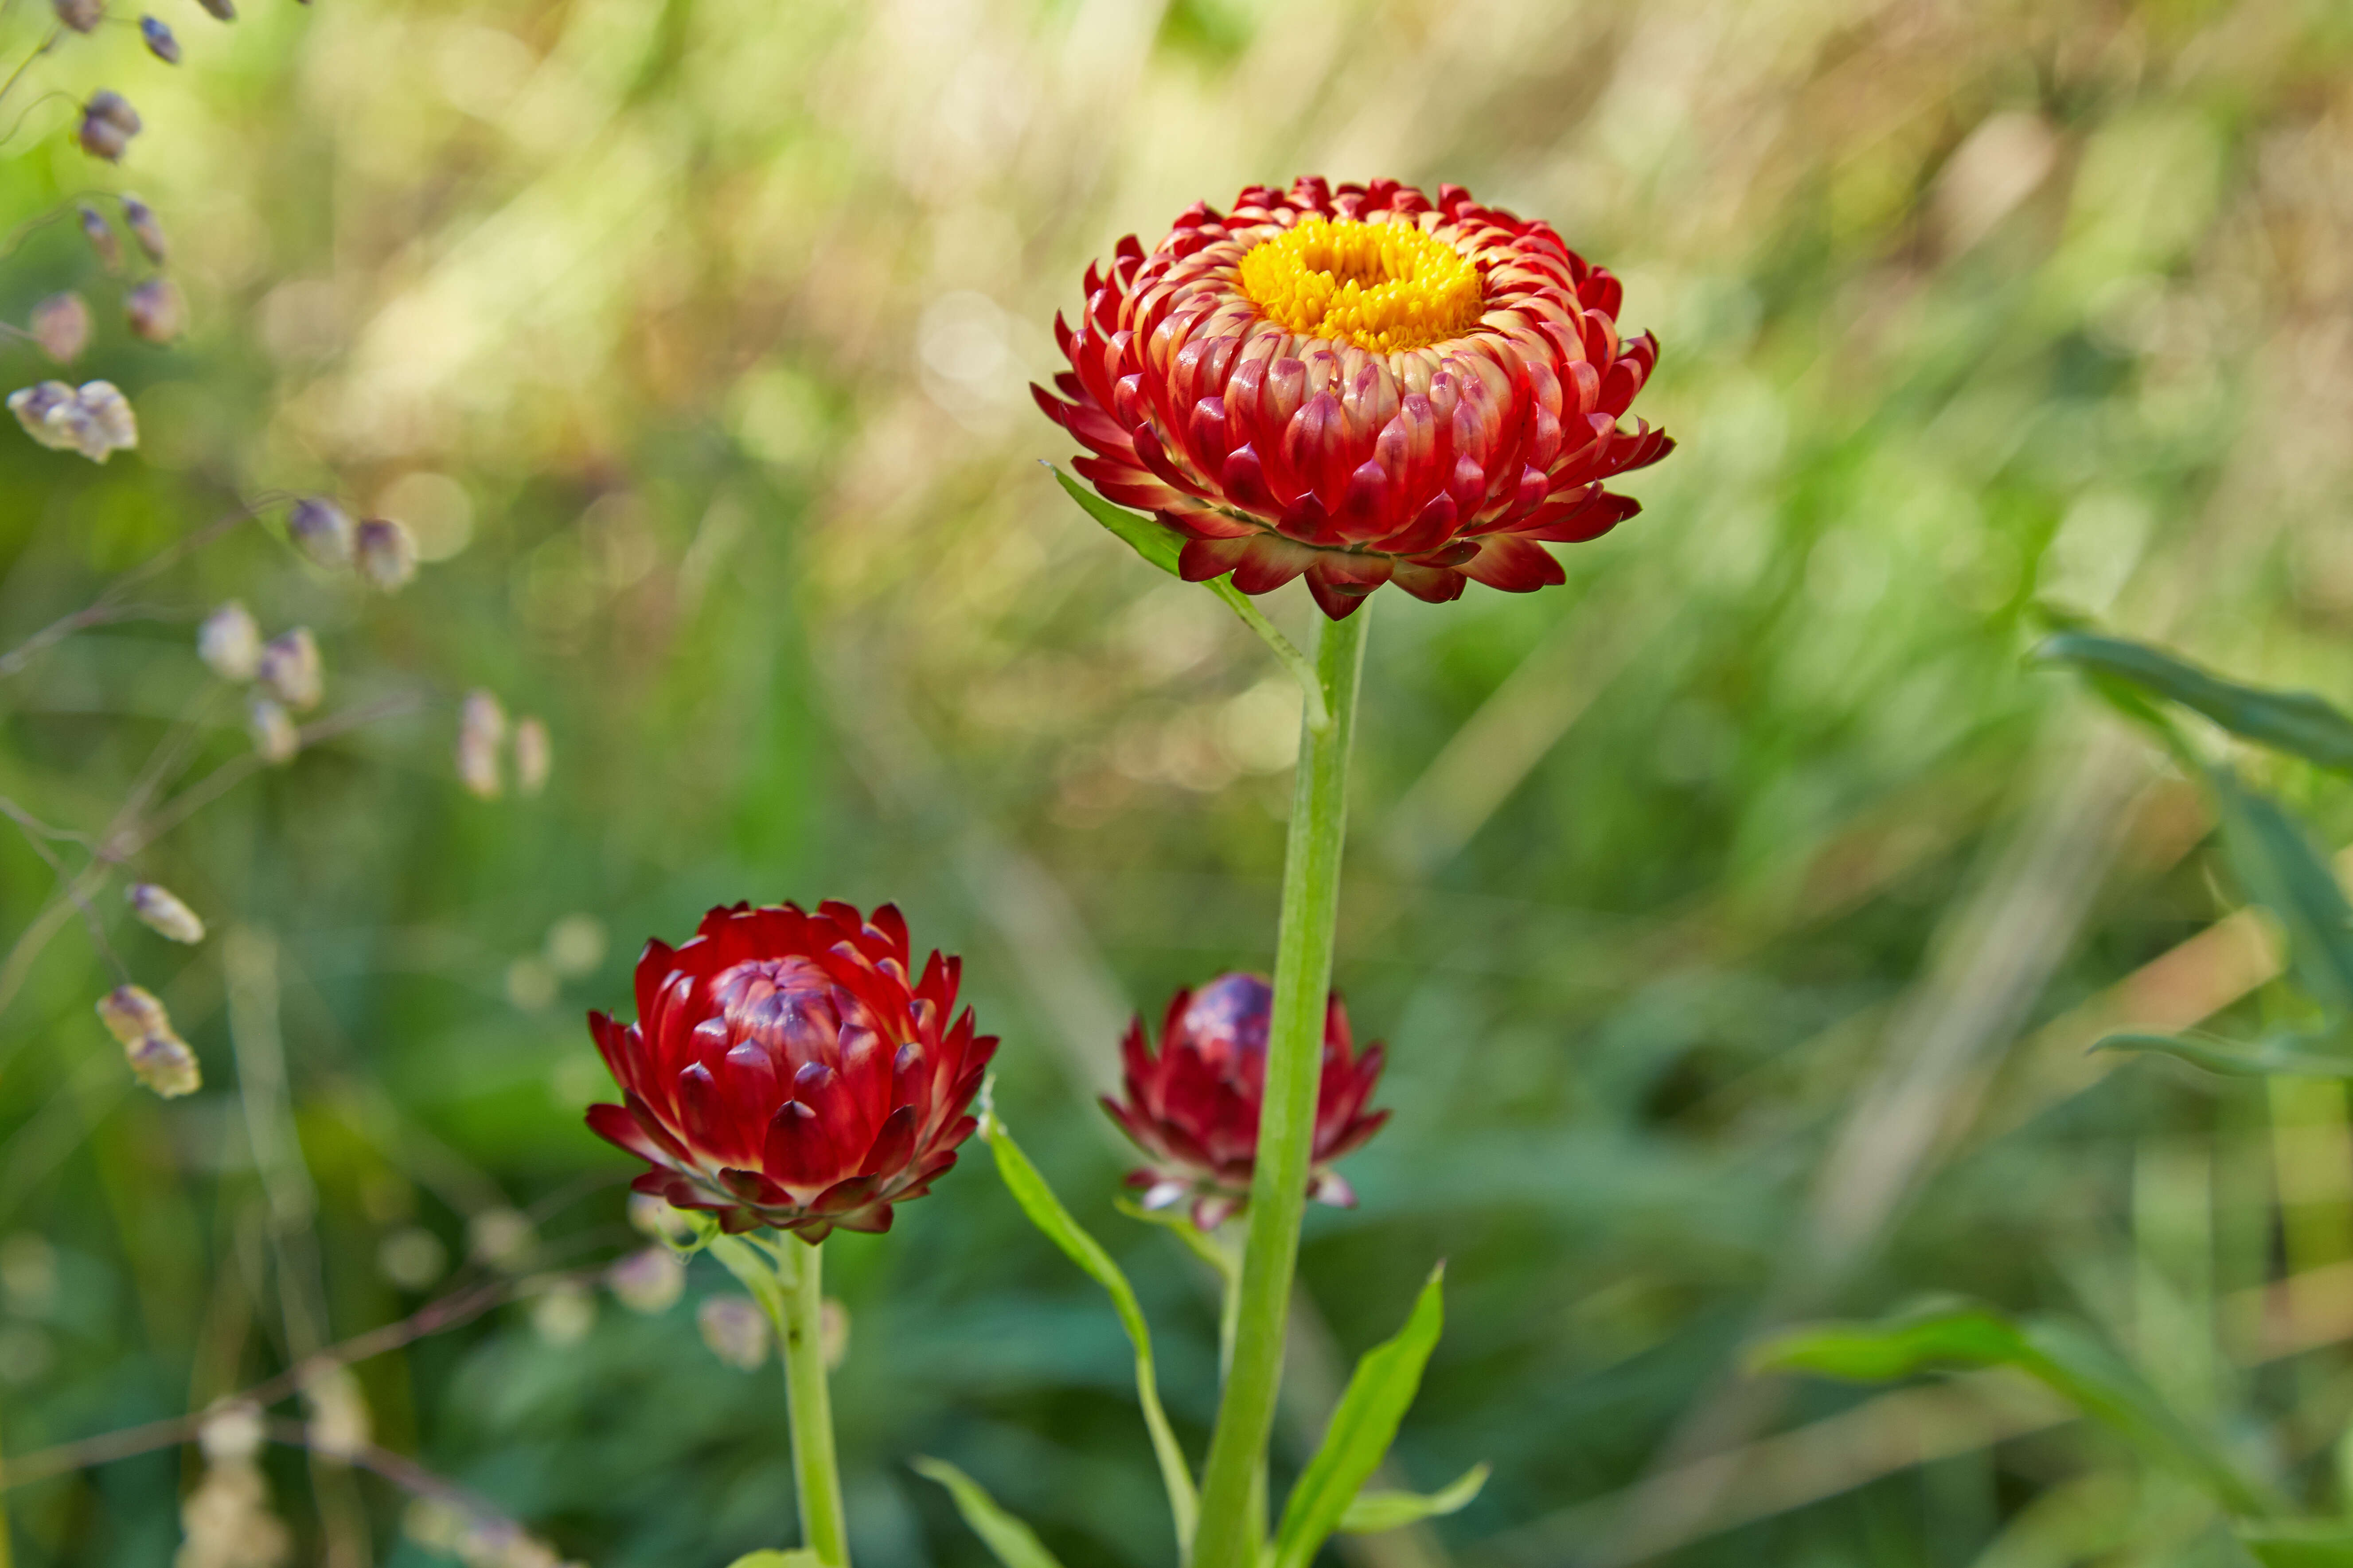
x=1361, y=385
x=1194, y=1107
x=786, y=1070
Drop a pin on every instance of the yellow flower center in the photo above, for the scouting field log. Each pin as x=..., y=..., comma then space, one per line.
x=1383, y=286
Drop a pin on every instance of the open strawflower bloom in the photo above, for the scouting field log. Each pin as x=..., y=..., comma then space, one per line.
x=1359, y=384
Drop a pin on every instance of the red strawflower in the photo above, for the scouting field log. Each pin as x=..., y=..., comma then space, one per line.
x=784, y=1070
x=1194, y=1108
x=1360, y=384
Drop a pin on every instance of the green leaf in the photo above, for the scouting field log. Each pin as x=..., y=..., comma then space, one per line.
x=799, y=1557
x=2080, y=1369
x=1152, y=540
x=2273, y=1056
x=1364, y=1426
x=1373, y=1512
x=2300, y=722
x=2299, y=1542
x=1047, y=1213
x=2278, y=868
x=1009, y=1540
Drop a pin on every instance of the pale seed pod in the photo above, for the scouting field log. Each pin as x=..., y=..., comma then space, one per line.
x=274, y=739
x=289, y=669
x=60, y=324
x=339, y=1426
x=502, y=1237
x=231, y=1433
x=100, y=235
x=131, y=1013
x=108, y=124
x=94, y=419
x=154, y=311
x=140, y=219
x=533, y=757
x=229, y=642
x=165, y=1065
x=649, y=1280
x=161, y=43
x=319, y=528
x=387, y=555
x=81, y=16
x=564, y=1313
x=481, y=731
x=736, y=1330
x=161, y=911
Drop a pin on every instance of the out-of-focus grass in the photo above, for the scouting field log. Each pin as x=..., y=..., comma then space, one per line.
x=691, y=337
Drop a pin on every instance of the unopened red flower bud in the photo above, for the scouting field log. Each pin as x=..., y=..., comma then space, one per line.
x=289, y=669
x=649, y=1280
x=165, y=1065
x=274, y=735
x=736, y=1330
x=154, y=311
x=160, y=41
x=108, y=124
x=1194, y=1107
x=161, y=911
x=229, y=642
x=141, y=219
x=387, y=555
x=60, y=324
x=81, y=16
x=94, y=419
x=482, y=732
x=131, y=1012
x=532, y=756
x=100, y=235
x=322, y=530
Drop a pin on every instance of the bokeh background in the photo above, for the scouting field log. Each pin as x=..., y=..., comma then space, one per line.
x=1737, y=915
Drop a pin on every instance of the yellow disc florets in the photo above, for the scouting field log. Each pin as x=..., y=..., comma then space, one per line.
x=1383, y=286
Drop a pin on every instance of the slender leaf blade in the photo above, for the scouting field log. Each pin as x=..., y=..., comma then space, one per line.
x=2278, y=868
x=1373, y=1512
x=1046, y=1212
x=798, y=1557
x=2298, y=1543
x=1009, y=1540
x=1152, y=540
x=2302, y=723
x=1363, y=1426
x=2276, y=1056
x=2070, y=1363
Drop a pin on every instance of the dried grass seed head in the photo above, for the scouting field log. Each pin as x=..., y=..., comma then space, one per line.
x=162, y=911
x=229, y=642
x=221, y=10
x=649, y=1280
x=274, y=739
x=94, y=419
x=532, y=756
x=165, y=1065
x=736, y=1330
x=81, y=16
x=481, y=732
x=290, y=671
x=131, y=1012
x=60, y=324
x=322, y=530
x=139, y=218
x=100, y=235
x=155, y=310
x=108, y=124
x=159, y=39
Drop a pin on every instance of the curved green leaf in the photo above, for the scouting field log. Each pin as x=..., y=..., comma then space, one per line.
x=2080, y=1369
x=1009, y=1540
x=2299, y=1542
x=1373, y=1512
x=1046, y=1212
x=2300, y=722
x=1363, y=1428
x=2277, y=866
x=2275, y=1055
x=799, y=1557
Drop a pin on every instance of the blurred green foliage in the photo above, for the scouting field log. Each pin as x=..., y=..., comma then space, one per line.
x=1728, y=912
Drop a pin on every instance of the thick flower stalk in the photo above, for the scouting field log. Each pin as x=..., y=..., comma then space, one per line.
x=785, y=1070
x=1193, y=1106
x=1361, y=385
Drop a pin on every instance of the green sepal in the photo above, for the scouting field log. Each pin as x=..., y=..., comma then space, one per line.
x=1009, y=1540
x=1363, y=1426
x=2302, y=723
x=1942, y=1335
x=1373, y=1512
x=1046, y=1212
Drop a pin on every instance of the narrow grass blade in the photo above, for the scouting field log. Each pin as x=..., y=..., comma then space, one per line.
x=2299, y=722
x=1047, y=1213
x=2278, y=868
x=1373, y=1512
x=2299, y=1544
x=1362, y=1429
x=2277, y=1055
x=1009, y=1540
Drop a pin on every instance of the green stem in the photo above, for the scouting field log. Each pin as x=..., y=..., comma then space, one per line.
x=1233, y=1497
x=793, y=1295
